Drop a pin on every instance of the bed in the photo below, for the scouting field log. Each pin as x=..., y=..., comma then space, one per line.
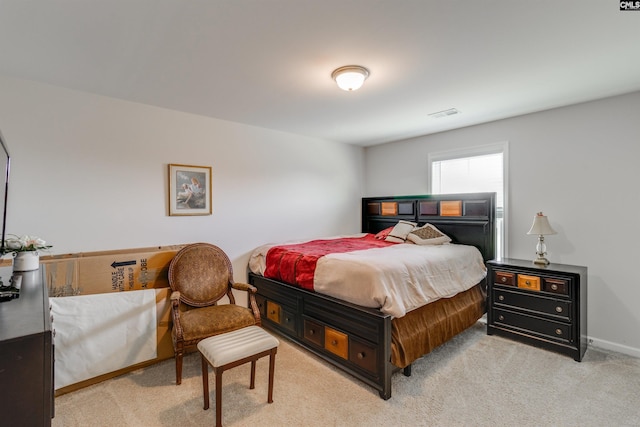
x=370, y=340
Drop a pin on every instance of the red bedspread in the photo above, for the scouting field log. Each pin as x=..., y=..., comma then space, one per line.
x=296, y=264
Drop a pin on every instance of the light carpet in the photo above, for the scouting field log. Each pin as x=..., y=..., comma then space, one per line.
x=473, y=380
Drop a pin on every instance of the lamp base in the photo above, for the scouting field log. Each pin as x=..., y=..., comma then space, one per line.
x=541, y=261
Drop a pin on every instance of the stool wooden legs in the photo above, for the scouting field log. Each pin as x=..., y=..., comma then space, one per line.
x=252, y=384
x=272, y=365
x=205, y=381
x=218, y=374
x=218, y=396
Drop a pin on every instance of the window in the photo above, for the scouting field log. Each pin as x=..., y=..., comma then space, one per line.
x=473, y=170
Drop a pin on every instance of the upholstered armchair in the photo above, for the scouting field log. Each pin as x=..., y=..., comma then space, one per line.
x=199, y=276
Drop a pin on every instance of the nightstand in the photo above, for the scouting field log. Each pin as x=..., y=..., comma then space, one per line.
x=545, y=306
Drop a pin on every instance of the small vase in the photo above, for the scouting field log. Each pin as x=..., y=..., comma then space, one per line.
x=26, y=261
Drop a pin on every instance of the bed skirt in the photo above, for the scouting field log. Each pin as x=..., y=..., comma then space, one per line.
x=425, y=328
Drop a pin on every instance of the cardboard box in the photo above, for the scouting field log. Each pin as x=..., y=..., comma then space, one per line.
x=90, y=273
x=115, y=271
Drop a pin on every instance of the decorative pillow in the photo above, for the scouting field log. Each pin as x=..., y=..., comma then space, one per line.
x=383, y=234
x=400, y=231
x=428, y=235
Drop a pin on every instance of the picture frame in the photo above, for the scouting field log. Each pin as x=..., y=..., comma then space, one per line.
x=189, y=190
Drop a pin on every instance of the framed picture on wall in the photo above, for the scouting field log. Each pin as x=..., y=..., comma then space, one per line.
x=189, y=190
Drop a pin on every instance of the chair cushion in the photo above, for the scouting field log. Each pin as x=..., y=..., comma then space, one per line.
x=232, y=346
x=204, y=322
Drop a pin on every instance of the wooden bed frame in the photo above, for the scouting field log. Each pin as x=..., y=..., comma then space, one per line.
x=357, y=339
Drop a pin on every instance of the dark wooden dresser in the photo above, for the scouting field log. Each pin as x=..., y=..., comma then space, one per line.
x=545, y=306
x=26, y=356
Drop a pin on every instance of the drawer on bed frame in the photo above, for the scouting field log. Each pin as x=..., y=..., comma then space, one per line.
x=313, y=332
x=356, y=339
x=336, y=342
x=363, y=354
x=347, y=347
x=279, y=314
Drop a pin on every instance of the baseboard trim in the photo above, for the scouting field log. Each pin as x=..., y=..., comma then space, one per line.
x=618, y=348
x=594, y=342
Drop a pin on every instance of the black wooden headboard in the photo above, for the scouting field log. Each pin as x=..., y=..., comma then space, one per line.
x=467, y=218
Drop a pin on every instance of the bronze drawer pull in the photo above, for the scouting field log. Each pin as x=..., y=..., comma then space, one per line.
x=501, y=297
x=504, y=279
x=311, y=332
x=361, y=355
x=286, y=319
x=273, y=312
x=501, y=317
x=554, y=287
x=558, y=331
x=559, y=309
x=528, y=283
x=334, y=342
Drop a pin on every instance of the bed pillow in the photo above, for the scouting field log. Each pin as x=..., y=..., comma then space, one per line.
x=400, y=231
x=381, y=235
x=428, y=235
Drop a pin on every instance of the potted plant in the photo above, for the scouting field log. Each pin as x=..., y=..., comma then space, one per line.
x=25, y=251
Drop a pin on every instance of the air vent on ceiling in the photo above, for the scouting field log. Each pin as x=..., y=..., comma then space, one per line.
x=445, y=113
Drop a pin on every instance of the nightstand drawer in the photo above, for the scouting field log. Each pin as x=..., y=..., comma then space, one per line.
x=556, y=286
x=529, y=282
x=560, y=309
x=504, y=278
x=556, y=331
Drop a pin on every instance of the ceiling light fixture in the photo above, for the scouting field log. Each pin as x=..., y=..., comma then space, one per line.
x=350, y=77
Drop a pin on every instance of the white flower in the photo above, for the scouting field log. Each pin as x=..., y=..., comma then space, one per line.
x=24, y=244
x=33, y=241
x=13, y=244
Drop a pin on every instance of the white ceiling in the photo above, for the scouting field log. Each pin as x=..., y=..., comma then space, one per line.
x=268, y=62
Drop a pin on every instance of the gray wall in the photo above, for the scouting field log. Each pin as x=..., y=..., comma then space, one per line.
x=579, y=165
x=89, y=173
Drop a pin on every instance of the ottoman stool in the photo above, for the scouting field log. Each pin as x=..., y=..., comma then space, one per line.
x=231, y=349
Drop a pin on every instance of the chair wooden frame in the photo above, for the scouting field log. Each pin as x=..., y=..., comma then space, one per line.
x=182, y=301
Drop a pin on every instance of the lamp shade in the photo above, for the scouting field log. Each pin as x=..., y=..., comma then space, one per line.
x=541, y=225
x=350, y=77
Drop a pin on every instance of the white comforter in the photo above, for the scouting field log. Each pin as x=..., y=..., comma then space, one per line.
x=395, y=279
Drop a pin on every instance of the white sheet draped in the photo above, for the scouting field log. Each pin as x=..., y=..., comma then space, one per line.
x=102, y=333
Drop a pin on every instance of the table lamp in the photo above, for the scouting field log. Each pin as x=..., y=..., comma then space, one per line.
x=542, y=228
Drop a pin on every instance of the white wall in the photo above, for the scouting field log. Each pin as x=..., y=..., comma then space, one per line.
x=579, y=165
x=89, y=173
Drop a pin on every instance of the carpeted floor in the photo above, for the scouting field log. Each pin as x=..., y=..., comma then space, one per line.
x=474, y=380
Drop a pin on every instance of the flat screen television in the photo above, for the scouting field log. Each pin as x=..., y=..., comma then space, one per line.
x=5, y=151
